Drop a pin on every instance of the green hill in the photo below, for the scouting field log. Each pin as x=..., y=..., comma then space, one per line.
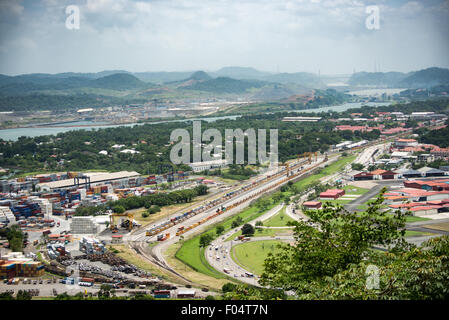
x=418, y=79
x=426, y=78
x=118, y=81
x=225, y=85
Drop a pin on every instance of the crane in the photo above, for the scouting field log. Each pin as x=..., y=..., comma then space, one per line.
x=113, y=216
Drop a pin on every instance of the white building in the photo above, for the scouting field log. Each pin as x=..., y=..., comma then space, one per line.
x=83, y=225
x=402, y=143
x=132, y=151
x=400, y=155
x=207, y=165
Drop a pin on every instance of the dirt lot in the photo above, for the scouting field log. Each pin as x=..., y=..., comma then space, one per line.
x=444, y=226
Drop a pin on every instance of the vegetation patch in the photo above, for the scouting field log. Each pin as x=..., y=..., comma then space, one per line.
x=251, y=255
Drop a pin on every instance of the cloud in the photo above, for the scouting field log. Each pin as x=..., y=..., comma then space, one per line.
x=297, y=35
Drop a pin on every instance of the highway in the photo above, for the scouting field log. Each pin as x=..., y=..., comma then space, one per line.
x=138, y=240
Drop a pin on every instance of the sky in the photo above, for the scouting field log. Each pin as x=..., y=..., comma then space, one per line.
x=326, y=36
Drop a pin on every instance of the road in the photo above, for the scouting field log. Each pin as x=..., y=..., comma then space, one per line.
x=155, y=254
x=138, y=240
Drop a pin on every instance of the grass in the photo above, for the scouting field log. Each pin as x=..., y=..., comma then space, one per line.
x=337, y=201
x=362, y=207
x=353, y=190
x=192, y=255
x=165, y=212
x=414, y=219
x=329, y=170
x=251, y=255
x=213, y=279
x=263, y=232
x=411, y=233
x=278, y=220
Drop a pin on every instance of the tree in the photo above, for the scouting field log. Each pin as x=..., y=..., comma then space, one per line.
x=219, y=230
x=228, y=287
x=205, y=240
x=105, y=291
x=263, y=203
x=6, y=296
x=201, y=189
x=238, y=221
x=340, y=239
x=141, y=296
x=418, y=274
x=118, y=209
x=23, y=295
x=247, y=229
x=16, y=244
x=357, y=166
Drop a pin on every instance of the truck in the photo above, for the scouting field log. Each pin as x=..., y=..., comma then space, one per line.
x=85, y=284
x=162, y=237
x=161, y=294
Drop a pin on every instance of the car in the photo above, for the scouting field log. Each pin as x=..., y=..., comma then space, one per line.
x=34, y=281
x=41, y=281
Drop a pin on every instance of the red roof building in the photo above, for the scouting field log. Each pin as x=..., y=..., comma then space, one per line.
x=312, y=204
x=332, y=194
x=363, y=176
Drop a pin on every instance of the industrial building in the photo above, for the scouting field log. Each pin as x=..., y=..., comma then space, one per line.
x=332, y=194
x=302, y=119
x=207, y=165
x=83, y=225
x=119, y=179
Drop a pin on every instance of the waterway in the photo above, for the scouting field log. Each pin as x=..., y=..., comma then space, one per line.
x=346, y=106
x=53, y=129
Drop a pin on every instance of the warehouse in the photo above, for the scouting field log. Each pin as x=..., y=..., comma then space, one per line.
x=410, y=173
x=311, y=205
x=332, y=194
x=431, y=172
x=121, y=178
x=302, y=119
x=363, y=176
x=186, y=293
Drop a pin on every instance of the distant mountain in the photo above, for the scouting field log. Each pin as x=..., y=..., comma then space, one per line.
x=240, y=73
x=200, y=76
x=305, y=79
x=273, y=92
x=426, y=78
x=25, y=84
x=225, y=85
x=90, y=75
x=162, y=77
x=118, y=81
x=419, y=79
x=388, y=79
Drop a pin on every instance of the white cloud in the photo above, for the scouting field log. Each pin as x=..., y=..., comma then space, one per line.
x=194, y=34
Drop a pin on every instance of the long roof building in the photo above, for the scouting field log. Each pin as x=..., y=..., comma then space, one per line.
x=95, y=177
